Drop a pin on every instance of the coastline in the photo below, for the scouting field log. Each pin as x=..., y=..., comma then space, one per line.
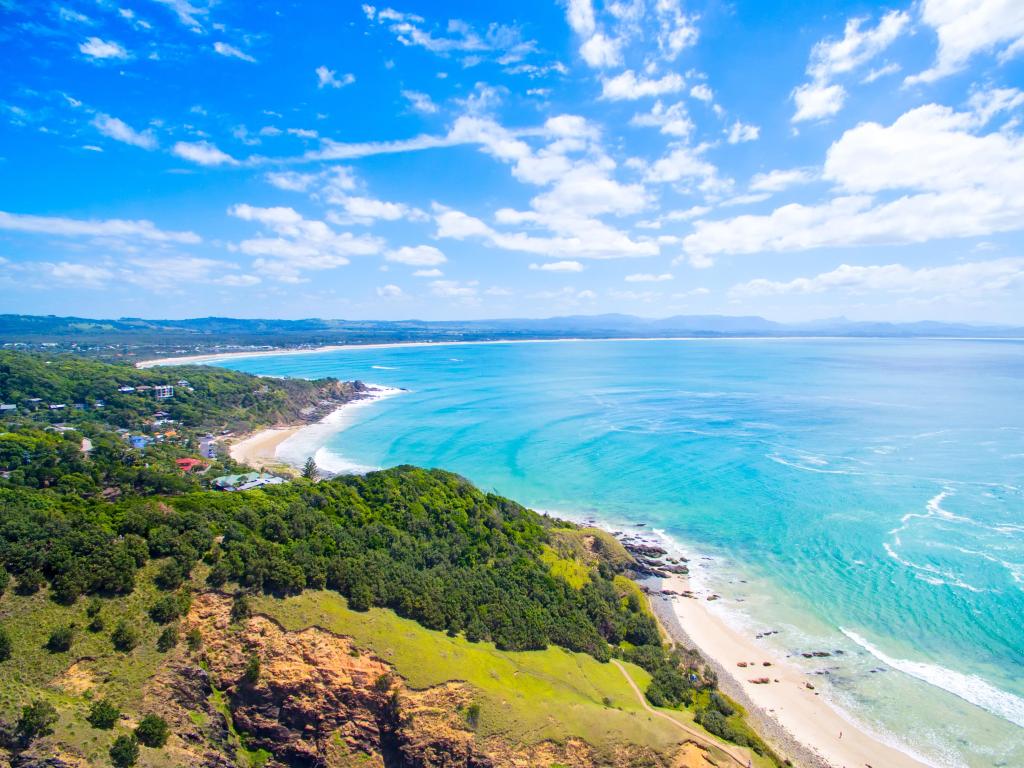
x=212, y=357
x=787, y=711
x=263, y=448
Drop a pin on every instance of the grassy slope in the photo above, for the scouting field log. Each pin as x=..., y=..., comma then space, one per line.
x=34, y=672
x=525, y=696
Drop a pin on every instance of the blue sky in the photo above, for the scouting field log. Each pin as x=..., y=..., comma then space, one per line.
x=798, y=160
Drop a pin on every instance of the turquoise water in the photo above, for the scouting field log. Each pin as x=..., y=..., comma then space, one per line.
x=860, y=495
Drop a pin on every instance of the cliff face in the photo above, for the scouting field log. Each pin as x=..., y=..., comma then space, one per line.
x=320, y=701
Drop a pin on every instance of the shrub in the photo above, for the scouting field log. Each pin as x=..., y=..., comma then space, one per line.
x=30, y=582
x=5, y=579
x=167, y=640
x=165, y=609
x=240, y=610
x=361, y=597
x=124, y=637
x=152, y=731
x=124, y=752
x=719, y=702
x=37, y=719
x=473, y=715
x=103, y=714
x=194, y=639
x=170, y=575
x=93, y=608
x=252, y=670
x=61, y=639
x=5, y=645
x=97, y=624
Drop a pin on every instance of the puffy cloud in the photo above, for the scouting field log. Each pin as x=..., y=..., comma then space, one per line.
x=580, y=15
x=327, y=78
x=672, y=120
x=979, y=278
x=390, y=291
x=417, y=256
x=454, y=289
x=683, y=164
x=602, y=52
x=428, y=273
x=120, y=131
x=98, y=48
x=231, y=52
x=294, y=244
x=558, y=266
x=202, y=153
x=823, y=98
x=702, y=92
x=815, y=101
x=969, y=27
x=628, y=86
x=676, y=30
x=113, y=228
x=644, y=277
x=742, y=132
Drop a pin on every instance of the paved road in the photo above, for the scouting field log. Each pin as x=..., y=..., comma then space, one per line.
x=698, y=736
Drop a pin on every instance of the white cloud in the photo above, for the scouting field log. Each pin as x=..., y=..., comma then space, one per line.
x=676, y=31
x=390, y=291
x=879, y=72
x=987, y=103
x=97, y=48
x=231, y=52
x=186, y=12
x=672, y=120
x=328, y=78
x=821, y=97
x=202, y=153
x=294, y=244
x=120, y=131
x=292, y=181
x=979, y=278
x=421, y=102
x=427, y=273
x=417, y=256
x=857, y=46
x=742, y=132
x=627, y=86
x=702, y=92
x=112, y=228
x=685, y=164
x=815, y=101
x=644, y=277
x=580, y=15
x=454, y=289
x=558, y=266
x=968, y=27
x=778, y=180
x=602, y=52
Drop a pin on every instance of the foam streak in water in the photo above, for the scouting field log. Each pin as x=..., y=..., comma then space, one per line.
x=970, y=688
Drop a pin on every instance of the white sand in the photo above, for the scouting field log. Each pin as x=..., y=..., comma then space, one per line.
x=808, y=718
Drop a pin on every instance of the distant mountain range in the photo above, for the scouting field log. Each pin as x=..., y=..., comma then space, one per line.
x=136, y=337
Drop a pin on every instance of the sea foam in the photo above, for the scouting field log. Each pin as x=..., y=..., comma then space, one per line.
x=970, y=688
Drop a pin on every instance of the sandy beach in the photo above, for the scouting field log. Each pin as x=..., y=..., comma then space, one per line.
x=787, y=709
x=260, y=448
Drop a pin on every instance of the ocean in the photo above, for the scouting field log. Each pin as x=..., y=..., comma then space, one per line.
x=855, y=495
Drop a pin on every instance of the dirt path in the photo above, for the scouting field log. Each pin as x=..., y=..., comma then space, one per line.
x=699, y=736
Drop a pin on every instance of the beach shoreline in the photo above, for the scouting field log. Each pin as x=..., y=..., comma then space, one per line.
x=788, y=711
x=261, y=449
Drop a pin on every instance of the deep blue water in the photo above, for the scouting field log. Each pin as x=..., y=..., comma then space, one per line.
x=866, y=495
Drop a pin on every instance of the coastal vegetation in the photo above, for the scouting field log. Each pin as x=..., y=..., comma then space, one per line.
x=106, y=557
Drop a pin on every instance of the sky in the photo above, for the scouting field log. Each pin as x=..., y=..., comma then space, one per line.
x=455, y=160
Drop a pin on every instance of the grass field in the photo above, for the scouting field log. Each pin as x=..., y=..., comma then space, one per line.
x=526, y=697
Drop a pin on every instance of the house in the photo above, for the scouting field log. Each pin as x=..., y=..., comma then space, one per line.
x=163, y=391
x=57, y=406
x=246, y=481
x=207, y=447
x=8, y=408
x=183, y=383
x=140, y=441
x=126, y=388
x=190, y=465
x=79, y=406
x=99, y=404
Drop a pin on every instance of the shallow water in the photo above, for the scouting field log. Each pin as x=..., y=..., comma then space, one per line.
x=857, y=495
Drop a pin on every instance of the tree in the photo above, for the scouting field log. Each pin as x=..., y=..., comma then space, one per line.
x=37, y=719
x=124, y=637
x=165, y=609
x=152, y=731
x=30, y=582
x=167, y=640
x=310, y=470
x=194, y=639
x=5, y=645
x=124, y=752
x=240, y=610
x=5, y=579
x=103, y=714
x=170, y=575
x=61, y=639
